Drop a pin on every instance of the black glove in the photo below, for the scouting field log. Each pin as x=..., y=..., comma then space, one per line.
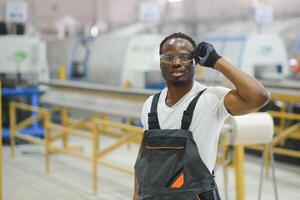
x=206, y=55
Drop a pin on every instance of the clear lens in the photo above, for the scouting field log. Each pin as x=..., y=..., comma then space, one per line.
x=170, y=58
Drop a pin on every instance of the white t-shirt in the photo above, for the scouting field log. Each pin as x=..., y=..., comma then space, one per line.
x=209, y=116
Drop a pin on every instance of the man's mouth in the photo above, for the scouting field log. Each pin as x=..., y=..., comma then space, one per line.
x=178, y=72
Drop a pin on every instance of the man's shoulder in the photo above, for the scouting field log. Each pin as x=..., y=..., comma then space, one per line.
x=148, y=100
x=201, y=86
x=217, y=91
x=161, y=93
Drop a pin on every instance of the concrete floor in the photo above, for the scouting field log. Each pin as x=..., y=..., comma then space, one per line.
x=24, y=177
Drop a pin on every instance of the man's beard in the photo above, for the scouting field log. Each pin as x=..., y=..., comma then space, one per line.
x=179, y=83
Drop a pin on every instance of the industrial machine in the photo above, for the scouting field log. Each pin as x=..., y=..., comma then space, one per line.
x=134, y=60
x=263, y=56
x=22, y=65
x=24, y=57
x=130, y=60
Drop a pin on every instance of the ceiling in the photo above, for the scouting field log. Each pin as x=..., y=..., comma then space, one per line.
x=192, y=16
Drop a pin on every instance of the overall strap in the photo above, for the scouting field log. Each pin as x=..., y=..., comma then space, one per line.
x=188, y=113
x=152, y=115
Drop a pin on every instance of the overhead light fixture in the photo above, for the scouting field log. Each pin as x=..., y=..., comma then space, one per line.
x=94, y=31
x=293, y=62
x=174, y=1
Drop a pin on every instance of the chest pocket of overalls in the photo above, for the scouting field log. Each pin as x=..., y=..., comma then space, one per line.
x=164, y=157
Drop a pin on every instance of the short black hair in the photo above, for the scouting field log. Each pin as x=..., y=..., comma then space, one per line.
x=177, y=35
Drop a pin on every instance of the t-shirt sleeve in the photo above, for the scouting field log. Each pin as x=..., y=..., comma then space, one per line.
x=221, y=92
x=145, y=111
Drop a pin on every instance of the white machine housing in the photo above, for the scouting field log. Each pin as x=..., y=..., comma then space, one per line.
x=135, y=59
x=263, y=56
x=24, y=55
x=114, y=59
x=142, y=57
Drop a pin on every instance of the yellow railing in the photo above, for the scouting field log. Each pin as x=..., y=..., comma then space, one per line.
x=283, y=131
x=92, y=128
x=95, y=127
x=89, y=128
x=41, y=114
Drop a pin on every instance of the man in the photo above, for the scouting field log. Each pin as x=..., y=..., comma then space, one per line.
x=182, y=124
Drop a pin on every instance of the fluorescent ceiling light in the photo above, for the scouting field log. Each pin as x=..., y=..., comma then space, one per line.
x=94, y=31
x=174, y=1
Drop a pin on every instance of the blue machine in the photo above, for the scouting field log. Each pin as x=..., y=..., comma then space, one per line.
x=33, y=94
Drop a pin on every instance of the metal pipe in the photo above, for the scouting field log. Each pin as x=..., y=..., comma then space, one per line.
x=95, y=157
x=117, y=144
x=284, y=134
x=29, y=138
x=47, y=142
x=70, y=151
x=64, y=122
x=273, y=172
x=263, y=160
x=28, y=121
x=280, y=151
x=239, y=172
x=12, y=125
x=80, y=133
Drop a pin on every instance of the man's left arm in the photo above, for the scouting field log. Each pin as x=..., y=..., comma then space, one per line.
x=248, y=94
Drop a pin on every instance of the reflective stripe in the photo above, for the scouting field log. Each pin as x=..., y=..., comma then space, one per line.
x=156, y=148
x=178, y=183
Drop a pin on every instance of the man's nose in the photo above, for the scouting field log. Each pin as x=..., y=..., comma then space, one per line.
x=177, y=61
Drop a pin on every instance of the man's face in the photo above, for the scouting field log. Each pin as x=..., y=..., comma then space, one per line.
x=178, y=66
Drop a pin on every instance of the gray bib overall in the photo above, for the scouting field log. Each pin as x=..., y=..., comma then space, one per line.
x=170, y=167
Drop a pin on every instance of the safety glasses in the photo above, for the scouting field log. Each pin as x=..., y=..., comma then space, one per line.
x=171, y=58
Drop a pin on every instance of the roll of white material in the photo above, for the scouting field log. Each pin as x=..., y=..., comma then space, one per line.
x=253, y=128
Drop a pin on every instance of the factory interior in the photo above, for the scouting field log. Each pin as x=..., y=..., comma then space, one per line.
x=75, y=75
